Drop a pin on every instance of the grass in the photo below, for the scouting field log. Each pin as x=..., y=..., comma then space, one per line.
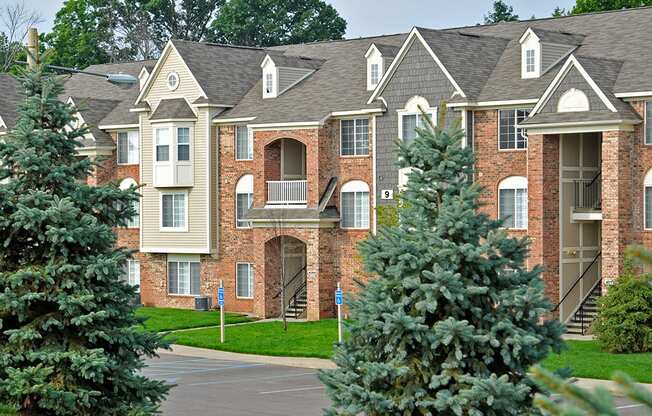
x=315, y=339
x=170, y=319
x=303, y=339
x=587, y=360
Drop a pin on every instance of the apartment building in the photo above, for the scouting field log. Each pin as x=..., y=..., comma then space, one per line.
x=262, y=168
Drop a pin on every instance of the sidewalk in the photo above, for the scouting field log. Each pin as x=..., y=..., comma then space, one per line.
x=319, y=363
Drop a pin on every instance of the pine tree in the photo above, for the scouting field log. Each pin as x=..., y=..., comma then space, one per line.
x=69, y=341
x=453, y=321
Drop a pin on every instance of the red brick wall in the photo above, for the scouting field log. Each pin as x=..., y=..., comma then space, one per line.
x=641, y=164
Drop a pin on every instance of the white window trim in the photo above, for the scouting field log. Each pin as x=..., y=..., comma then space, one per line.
x=253, y=280
x=245, y=185
x=173, y=229
x=125, y=184
x=513, y=183
x=646, y=108
x=355, y=186
x=534, y=61
x=355, y=136
x=412, y=108
x=516, y=110
x=167, y=80
x=647, y=183
x=128, y=277
x=250, y=137
x=182, y=259
x=130, y=135
x=530, y=41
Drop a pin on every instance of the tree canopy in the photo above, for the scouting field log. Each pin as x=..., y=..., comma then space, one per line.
x=500, y=12
x=587, y=6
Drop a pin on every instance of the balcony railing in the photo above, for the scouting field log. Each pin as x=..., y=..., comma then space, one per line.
x=287, y=192
x=588, y=193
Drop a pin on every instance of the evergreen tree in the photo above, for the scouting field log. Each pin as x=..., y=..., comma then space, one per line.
x=500, y=12
x=69, y=342
x=453, y=320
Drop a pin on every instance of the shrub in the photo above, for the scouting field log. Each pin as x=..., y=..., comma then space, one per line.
x=624, y=321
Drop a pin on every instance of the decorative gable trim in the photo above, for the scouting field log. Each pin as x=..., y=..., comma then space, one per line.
x=571, y=63
x=157, y=69
x=414, y=34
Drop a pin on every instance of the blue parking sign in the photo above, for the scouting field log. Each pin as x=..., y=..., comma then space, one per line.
x=338, y=297
x=220, y=296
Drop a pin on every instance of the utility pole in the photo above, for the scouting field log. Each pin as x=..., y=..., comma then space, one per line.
x=32, y=48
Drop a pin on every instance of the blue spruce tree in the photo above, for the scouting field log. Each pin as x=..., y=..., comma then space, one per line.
x=69, y=343
x=453, y=320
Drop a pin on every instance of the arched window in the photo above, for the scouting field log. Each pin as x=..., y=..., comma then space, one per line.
x=134, y=222
x=354, y=205
x=410, y=118
x=647, y=200
x=573, y=100
x=512, y=202
x=244, y=198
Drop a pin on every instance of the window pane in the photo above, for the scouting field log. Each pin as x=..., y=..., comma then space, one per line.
x=244, y=280
x=648, y=122
x=183, y=144
x=374, y=74
x=162, y=145
x=648, y=207
x=134, y=222
x=173, y=279
x=361, y=137
x=507, y=132
x=243, y=203
x=362, y=209
x=348, y=209
x=195, y=279
x=168, y=210
x=348, y=137
x=179, y=210
x=133, y=147
x=243, y=147
x=123, y=148
x=506, y=206
x=520, y=208
x=184, y=277
x=409, y=126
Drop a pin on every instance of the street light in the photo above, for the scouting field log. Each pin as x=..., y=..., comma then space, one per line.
x=117, y=79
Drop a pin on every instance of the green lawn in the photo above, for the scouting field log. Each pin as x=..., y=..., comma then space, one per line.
x=303, y=339
x=315, y=339
x=170, y=319
x=586, y=360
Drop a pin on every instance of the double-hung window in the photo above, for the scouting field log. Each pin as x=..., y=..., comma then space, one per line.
x=183, y=277
x=355, y=205
x=244, y=281
x=512, y=202
x=375, y=74
x=409, y=125
x=173, y=211
x=131, y=273
x=244, y=146
x=244, y=198
x=128, y=148
x=183, y=144
x=509, y=136
x=530, y=60
x=354, y=137
x=647, y=200
x=163, y=138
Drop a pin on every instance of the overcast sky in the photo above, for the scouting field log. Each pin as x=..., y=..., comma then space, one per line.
x=377, y=17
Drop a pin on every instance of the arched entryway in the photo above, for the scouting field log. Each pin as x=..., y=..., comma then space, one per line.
x=285, y=277
x=285, y=172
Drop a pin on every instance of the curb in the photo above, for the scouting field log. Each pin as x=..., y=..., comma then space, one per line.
x=611, y=386
x=312, y=363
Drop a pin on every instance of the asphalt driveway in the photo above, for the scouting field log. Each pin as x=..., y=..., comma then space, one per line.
x=234, y=388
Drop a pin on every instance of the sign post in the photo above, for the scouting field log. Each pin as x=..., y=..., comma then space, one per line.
x=338, y=301
x=220, y=301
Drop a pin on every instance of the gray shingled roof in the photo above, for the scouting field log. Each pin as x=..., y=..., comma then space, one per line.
x=559, y=38
x=388, y=51
x=224, y=72
x=93, y=111
x=294, y=61
x=10, y=97
x=173, y=108
x=339, y=84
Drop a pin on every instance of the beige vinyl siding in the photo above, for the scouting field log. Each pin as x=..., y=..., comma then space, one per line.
x=196, y=239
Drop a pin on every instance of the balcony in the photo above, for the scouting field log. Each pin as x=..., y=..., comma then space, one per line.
x=587, y=204
x=287, y=192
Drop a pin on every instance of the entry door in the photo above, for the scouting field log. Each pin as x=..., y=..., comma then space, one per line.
x=294, y=260
x=580, y=156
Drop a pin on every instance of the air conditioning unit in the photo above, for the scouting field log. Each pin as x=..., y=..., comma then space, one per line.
x=202, y=303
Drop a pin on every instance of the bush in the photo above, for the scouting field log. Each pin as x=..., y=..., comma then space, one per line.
x=624, y=321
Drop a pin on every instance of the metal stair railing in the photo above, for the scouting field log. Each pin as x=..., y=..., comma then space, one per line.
x=588, y=193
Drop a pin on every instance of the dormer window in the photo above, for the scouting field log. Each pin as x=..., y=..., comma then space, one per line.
x=374, y=74
x=375, y=65
x=530, y=61
x=270, y=78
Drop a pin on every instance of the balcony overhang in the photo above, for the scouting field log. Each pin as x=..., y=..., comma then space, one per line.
x=292, y=217
x=582, y=215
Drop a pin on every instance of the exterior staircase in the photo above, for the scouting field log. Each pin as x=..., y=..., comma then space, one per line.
x=580, y=322
x=297, y=306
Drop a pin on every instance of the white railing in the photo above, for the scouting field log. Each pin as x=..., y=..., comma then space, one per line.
x=287, y=192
